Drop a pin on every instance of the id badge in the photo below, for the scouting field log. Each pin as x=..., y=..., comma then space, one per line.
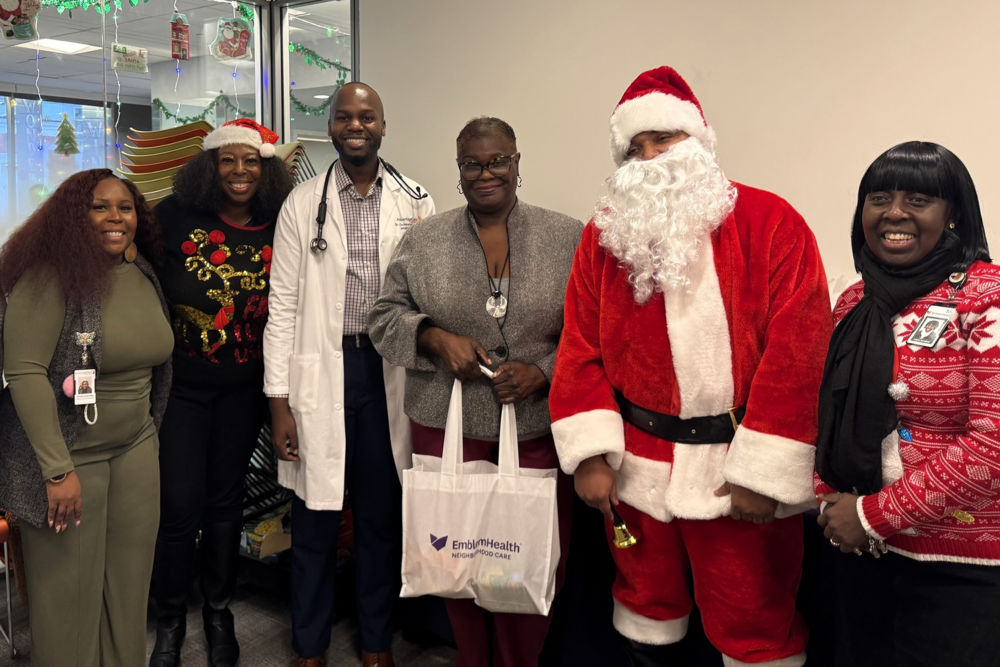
x=931, y=326
x=84, y=386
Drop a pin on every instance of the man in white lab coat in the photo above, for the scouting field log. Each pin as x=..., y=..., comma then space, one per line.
x=336, y=407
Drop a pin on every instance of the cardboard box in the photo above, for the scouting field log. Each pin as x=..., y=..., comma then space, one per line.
x=266, y=536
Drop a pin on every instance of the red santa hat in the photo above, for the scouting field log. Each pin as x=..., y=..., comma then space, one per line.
x=657, y=100
x=244, y=131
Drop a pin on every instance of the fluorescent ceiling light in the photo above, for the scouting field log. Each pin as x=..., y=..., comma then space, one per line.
x=58, y=46
x=321, y=97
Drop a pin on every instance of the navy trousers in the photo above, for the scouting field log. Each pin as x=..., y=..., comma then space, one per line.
x=375, y=496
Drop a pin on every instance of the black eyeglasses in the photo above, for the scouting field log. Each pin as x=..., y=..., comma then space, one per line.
x=498, y=166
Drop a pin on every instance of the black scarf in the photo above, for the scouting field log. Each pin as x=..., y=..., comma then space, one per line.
x=855, y=409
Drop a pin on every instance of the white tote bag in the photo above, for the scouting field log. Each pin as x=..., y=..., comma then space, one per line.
x=480, y=530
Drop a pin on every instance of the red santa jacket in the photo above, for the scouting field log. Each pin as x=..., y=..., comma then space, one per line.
x=751, y=331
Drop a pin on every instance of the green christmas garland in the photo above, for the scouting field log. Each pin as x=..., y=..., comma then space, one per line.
x=315, y=59
x=309, y=110
x=184, y=120
x=107, y=6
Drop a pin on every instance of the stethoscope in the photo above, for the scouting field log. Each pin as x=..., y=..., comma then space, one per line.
x=319, y=244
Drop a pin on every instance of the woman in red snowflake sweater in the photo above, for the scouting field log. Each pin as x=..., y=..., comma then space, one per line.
x=218, y=227
x=908, y=455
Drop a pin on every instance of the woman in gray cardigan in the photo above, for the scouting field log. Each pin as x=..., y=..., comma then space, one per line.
x=482, y=284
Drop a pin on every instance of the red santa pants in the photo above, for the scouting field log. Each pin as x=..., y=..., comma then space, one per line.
x=744, y=577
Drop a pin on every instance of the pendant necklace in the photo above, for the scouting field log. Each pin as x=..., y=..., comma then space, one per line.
x=496, y=304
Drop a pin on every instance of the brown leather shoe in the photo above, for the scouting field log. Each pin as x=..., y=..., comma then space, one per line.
x=316, y=661
x=381, y=659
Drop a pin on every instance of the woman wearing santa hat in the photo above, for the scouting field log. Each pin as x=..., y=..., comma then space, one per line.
x=908, y=449
x=218, y=228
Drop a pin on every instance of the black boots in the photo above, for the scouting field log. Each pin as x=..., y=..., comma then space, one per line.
x=219, y=553
x=223, y=650
x=653, y=655
x=172, y=576
x=171, y=580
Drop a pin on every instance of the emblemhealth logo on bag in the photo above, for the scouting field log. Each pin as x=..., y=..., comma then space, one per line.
x=484, y=546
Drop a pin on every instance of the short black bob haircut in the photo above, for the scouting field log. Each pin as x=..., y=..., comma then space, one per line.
x=930, y=169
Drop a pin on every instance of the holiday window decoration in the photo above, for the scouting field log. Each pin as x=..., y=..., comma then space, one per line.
x=66, y=138
x=133, y=59
x=180, y=37
x=232, y=40
x=17, y=18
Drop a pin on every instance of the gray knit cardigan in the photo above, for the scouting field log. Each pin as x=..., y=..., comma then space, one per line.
x=22, y=489
x=438, y=272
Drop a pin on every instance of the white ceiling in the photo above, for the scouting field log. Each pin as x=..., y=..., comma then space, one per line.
x=146, y=25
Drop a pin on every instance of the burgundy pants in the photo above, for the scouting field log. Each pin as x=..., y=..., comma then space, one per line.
x=514, y=640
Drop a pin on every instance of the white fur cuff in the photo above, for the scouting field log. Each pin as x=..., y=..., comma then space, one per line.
x=775, y=466
x=587, y=434
x=647, y=630
x=796, y=660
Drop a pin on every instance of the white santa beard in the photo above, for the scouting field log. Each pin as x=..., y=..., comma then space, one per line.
x=656, y=214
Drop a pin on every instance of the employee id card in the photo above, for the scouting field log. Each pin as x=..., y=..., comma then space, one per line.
x=931, y=326
x=84, y=386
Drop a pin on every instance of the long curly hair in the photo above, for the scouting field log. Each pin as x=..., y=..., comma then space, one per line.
x=60, y=236
x=197, y=186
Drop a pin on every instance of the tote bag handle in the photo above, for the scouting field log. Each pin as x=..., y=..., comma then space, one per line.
x=452, y=454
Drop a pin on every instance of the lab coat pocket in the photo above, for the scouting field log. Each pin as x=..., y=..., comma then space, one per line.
x=303, y=382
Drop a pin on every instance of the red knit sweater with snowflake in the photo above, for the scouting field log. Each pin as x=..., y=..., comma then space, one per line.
x=946, y=504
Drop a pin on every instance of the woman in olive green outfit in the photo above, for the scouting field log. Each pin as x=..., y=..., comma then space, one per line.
x=83, y=478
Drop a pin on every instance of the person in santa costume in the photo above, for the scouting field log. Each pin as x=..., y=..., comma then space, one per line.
x=694, y=304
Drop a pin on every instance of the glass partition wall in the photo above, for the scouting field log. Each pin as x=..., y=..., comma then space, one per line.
x=275, y=61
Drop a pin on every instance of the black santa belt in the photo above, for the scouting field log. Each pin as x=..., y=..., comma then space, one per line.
x=694, y=431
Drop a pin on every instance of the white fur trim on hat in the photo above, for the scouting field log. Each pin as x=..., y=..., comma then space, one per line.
x=228, y=135
x=656, y=111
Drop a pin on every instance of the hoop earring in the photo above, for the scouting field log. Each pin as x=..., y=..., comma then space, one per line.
x=951, y=226
x=459, y=188
x=519, y=182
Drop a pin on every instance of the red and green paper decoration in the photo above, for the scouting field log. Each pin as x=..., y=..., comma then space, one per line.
x=232, y=40
x=16, y=18
x=180, y=37
x=66, y=138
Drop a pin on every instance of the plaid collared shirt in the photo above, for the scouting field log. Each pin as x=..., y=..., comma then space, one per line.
x=361, y=222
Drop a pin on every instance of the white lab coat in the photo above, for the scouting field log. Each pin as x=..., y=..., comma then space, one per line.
x=303, y=340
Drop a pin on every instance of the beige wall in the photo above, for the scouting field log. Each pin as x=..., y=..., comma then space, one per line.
x=802, y=94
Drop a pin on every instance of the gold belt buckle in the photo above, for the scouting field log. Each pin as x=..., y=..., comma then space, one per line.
x=732, y=417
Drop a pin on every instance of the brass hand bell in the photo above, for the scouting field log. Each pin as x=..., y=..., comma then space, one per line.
x=623, y=538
